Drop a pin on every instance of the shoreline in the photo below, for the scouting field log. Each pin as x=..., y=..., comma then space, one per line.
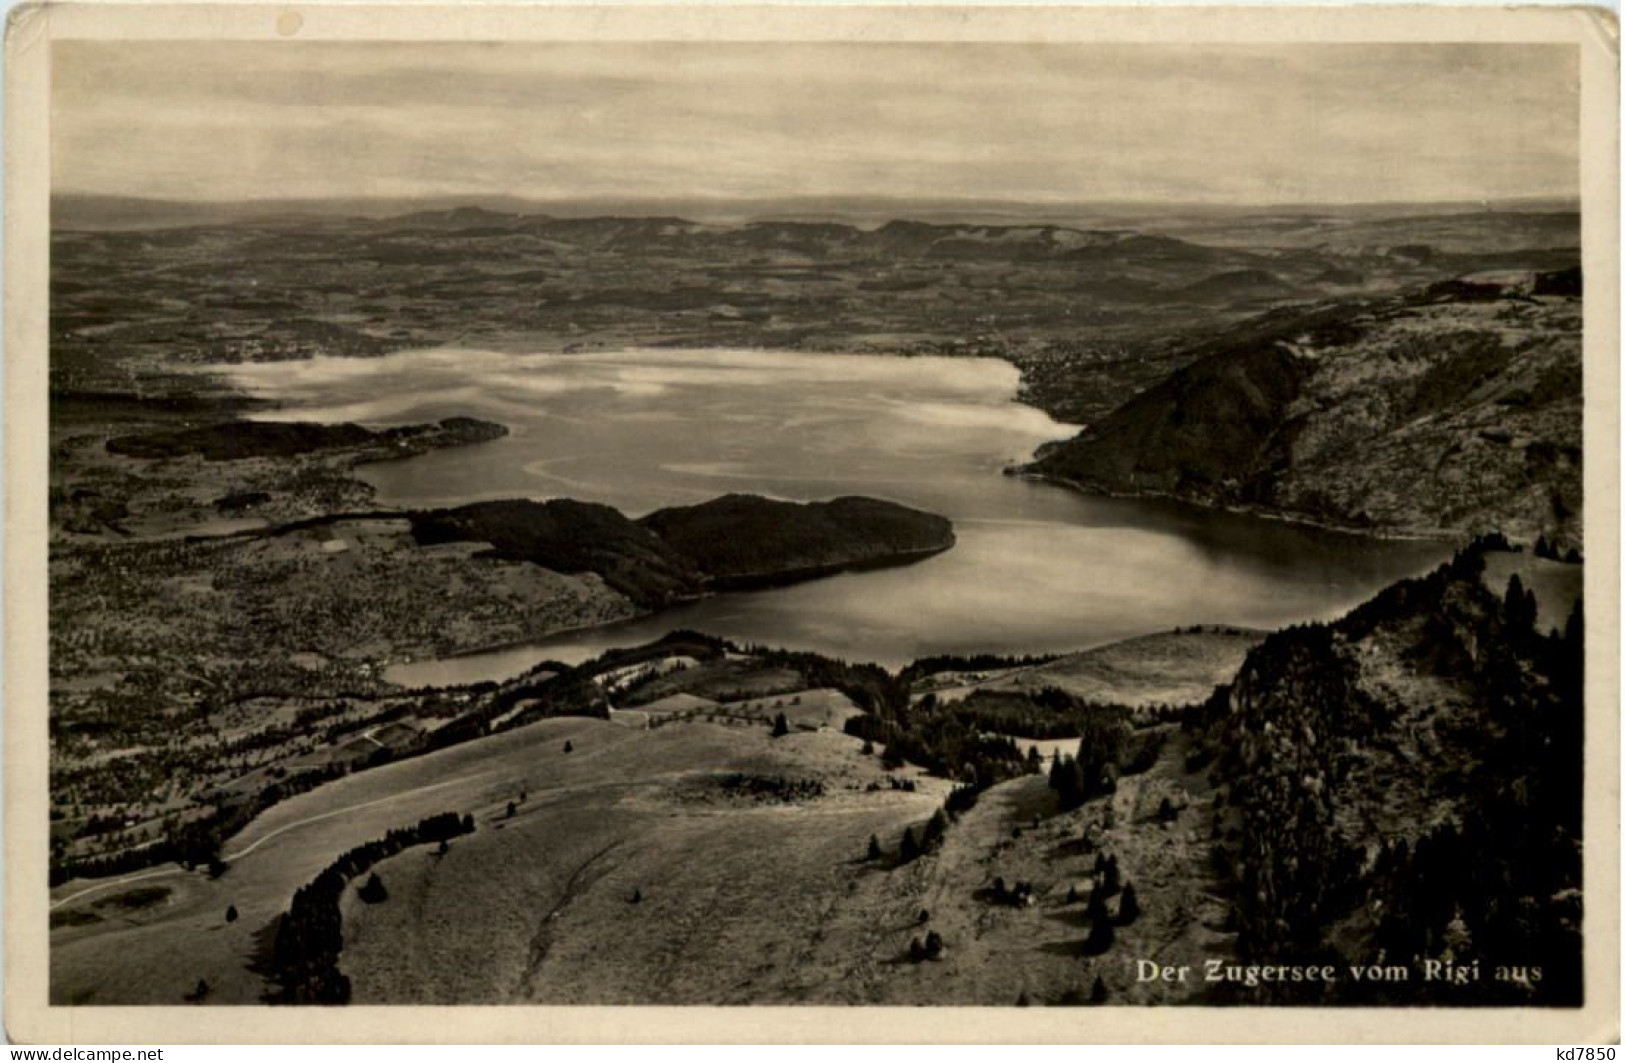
x=789, y=579
x=1023, y=471
x=1417, y=535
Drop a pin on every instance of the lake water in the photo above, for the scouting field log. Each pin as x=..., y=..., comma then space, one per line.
x=1036, y=569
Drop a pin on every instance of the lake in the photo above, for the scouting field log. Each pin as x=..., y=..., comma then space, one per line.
x=1036, y=569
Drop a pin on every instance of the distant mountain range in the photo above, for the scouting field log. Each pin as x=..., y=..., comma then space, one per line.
x=1401, y=369
x=89, y=212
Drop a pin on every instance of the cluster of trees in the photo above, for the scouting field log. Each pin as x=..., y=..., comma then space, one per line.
x=771, y=788
x=1549, y=550
x=309, y=936
x=1141, y=750
x=196, y=842
x=868, y=686
x=1520, y=608
x=1095, y=768
x=911, y=849
x=976, y=662
x=1019, y=895
x=1499, y=876
x=1103, y=924
x=961, y=799
x=1046, y=713
x=570, y=692
x=682, y=642
x=945, y=743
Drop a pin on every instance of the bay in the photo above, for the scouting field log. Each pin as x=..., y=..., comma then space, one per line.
x=1036, y=569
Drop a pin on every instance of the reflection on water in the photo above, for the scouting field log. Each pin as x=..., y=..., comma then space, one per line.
x=1036, y=568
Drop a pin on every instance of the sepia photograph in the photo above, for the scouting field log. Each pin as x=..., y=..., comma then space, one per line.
x=837, y=520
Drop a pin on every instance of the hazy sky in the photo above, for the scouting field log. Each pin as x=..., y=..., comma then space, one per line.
x=1056, y=123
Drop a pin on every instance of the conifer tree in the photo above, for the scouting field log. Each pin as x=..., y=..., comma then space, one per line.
x=1101, y=936
x=1128, y=909
x=1113, y=881
x=373, y=891
x=1097, y=904
x=935, y=828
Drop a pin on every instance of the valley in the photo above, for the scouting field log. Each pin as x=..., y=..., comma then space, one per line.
x=809, y=612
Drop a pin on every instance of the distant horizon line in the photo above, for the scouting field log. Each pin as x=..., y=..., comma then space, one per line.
x=481, y=199
x=93, y=211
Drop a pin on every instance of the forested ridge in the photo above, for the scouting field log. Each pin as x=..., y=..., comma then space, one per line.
x=728, y=543
x=1451, y=408
x=1404, y=785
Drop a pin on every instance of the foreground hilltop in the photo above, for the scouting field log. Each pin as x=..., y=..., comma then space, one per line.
x=271, y=636
x=1405, y=784
x=1455, y=408
x=686, y=822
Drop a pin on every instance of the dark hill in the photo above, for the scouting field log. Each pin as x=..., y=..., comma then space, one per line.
x=1206, y=433
x=456, y=218
x=572, y=537
x=1452, y=409
x=732, y=542
x=1237, y=285
x=744, y=540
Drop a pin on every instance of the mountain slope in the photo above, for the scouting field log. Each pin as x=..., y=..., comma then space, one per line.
x=1404, y=784
x=1453, y=409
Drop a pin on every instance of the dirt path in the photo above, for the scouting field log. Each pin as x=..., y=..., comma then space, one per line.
x=251, y=847
x=245, y=851
x=542, y=940
x=125, y=881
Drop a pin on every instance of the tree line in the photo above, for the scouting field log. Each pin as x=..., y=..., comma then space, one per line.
x=310, y=935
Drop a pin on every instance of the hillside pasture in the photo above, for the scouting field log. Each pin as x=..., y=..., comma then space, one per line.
x=617, y=787
x=1166, y=668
